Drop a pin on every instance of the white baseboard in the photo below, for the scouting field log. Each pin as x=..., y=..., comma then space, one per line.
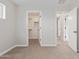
x=7, y=50
x=42, y=45
x=47, y=45
x=12, y=48
x=21, y=45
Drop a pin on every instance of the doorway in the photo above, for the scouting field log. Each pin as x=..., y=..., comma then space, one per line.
x=34, y=26
x=60, y=25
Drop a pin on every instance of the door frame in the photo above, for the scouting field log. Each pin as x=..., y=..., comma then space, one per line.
x=27, y=25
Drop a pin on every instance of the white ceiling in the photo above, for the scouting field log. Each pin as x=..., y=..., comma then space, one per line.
x=26, y=2
x=67, y=5
x=63, y=5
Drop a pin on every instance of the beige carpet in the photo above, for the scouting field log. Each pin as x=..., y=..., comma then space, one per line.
x=34, y=51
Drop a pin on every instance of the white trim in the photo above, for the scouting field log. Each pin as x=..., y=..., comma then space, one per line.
x=47, y=45
x=21, y=45
x=4, y=52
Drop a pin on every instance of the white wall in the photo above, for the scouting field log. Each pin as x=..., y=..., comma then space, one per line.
x=7, y=27
x=21, y=27
x=48, y=23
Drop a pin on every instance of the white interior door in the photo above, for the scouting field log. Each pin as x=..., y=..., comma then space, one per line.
x=72, y=19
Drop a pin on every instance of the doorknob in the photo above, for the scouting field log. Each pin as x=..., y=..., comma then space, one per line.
x=75, y=31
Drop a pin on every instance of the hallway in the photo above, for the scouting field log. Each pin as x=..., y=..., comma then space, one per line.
x=34, y=51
